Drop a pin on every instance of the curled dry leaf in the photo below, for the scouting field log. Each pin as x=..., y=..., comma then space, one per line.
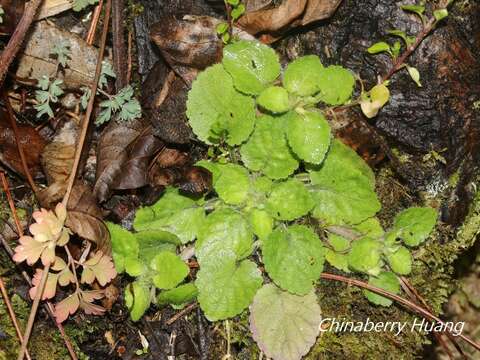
x=91, y=228
x=113, y=153
x=57, y=161
x=31, y=141
x=190, y=179
x=85, y=217
x=140, y=153
x=190, y=41
x=289, y=14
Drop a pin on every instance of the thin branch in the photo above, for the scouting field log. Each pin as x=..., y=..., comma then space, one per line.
x=86, y=121
x=427, y=29
x=93, y=25
x=3, y=289
x=181, y=313
x=13, y=124
x=407, y=303
x=15, y=43
x=33, y=311
x=11, y=203
x=120, y=56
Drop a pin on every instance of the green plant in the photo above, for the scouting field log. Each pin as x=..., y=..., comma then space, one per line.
x=79, y=5
x=274, y=166
x=410, y=43
x=2, y=12
x=48, y=94
x=49, y=234
x=235, y=9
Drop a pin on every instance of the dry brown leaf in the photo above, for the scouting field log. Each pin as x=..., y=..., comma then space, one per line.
x=57, y=161
x=91, y=228
x=140, y=153
x=272, y=20
x=290, y=14
x=319, y=10
x=191, y=41
x=32, y=142
x=114, y=151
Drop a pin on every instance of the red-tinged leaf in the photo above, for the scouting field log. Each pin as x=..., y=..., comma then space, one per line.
x=86, y=302
x=48, y=254
x=100, y=267
x=66, y=307
x=50, y=286
x=65, y=277
x=29, y=250
x=92, y=309
x=59, y=264
x=92, y=295
x=88, y=276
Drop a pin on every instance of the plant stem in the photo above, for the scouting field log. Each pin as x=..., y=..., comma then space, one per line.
x=11, y=203
x=13, y=124
x=33, y=311
x=12, y=314
x=86, y=121
x=427, y=29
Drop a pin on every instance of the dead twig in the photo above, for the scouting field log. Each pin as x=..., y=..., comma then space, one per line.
x=14, y=126
x=93, y=25
x=181, y=313
x=15, y=42
x=4, y=292
x=86, y=121
x=407, y=303
x=410, y=290
x=119, y=52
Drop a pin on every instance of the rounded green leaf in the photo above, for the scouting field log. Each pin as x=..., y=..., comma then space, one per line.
x=124, y=245
x=364, y=255
x=336, y=85
x=233, y=183
x=169, y=270
x=344, y=190
x=262, y=184
x=217, y=111
x=338, y=243
x=267, y=149
x=285, y=326
x=302, y=75
x=401, y=261
x=309, y=136
x=274, y=99
x=180, y=295
x=293, y=258
x=137, y=299
x=173, y=213
x=225, y=286
x=337, y=260
x=224, y=230
x=386, y=281
x=415, y=224
x=252, y=65
x=262, y=223
x=289, y=200
x=134, y=267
